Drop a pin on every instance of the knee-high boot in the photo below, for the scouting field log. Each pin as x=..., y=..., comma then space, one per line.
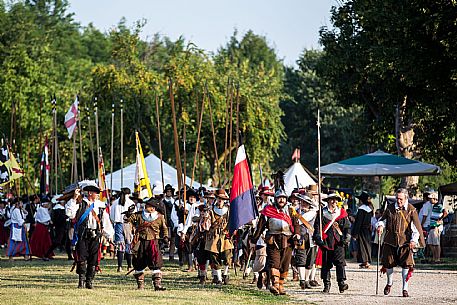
x=120, y=258
x=282, y=279
x=90, y=274
x=128, y=257
x=157, y=281
x=139, y=280
x=274, y=276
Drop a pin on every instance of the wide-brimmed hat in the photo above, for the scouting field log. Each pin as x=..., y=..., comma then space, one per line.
x=363, y=196
x=312, y=189
x=222, y=194
x=335, y=196
x=294, y=194
x=190, y=192
x=136, y=197
x=168, y=187
x=305, y=198
x=265, y=190
x=155, y=203
x=210, y=195
x=89, y=186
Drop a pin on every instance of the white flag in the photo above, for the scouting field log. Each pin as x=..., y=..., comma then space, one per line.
x=70, y=118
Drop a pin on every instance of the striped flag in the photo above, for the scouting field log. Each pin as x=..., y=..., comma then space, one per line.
x=243, y=208
x=71, y=117
x=44, y=169
x=296, y=155
x=142, y=184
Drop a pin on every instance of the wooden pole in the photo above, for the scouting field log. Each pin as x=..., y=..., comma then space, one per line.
x=230, y=138
x=319, y=184
x=122, y=143
x=56, y=146
x=160, y=141
x=227, y=107
x=75, y=159
x=184, y=157
x=237, y=115
x=200, y=119
x=112, y=149
x=91, y=144
x=80, y=143
x=214, y=141
x=96, y=128
x=175, y=135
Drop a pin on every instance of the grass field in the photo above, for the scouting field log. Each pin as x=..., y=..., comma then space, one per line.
x=38, y=282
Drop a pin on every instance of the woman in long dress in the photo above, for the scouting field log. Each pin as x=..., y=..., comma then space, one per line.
x=18, y=244
x=40, y=242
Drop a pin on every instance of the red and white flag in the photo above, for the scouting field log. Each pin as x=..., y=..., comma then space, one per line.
x=71, y=117
x=296, y=155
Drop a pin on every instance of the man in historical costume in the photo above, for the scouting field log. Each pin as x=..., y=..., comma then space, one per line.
x=18, y=243
x=281, y=224
x=40, y=242
x=168, y=202
x=4, y=232
x=305, y=251
x=218, y=244
x=266, y=194
x=91, y=223
x=149, y=225
x=178, y=215
x=361, y=229
x=403, y=234
x=59, y=226
x=122, y=230
x=332, y=241
x=190, y=225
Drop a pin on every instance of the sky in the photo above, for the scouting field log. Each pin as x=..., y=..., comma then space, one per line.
x=290, y=26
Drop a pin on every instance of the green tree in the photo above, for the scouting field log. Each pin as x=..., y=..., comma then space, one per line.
x=397, y=60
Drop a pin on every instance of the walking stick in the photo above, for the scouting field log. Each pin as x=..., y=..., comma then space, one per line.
x=377, y=262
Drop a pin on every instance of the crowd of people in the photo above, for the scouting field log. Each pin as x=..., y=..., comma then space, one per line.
x=289, y=234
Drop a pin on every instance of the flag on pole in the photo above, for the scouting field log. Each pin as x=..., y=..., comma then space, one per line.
x=296, y=155
x=71, y=117
x=44, y=169
x=5, y=167
x=243, y=208
x=16, y=171
x=102, y=179
x=142, y=184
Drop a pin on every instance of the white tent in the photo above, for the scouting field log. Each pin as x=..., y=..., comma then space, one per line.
x=153, y=168
x=297, y=173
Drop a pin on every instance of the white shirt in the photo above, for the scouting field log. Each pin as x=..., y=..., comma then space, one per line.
x=426, y=211
x=72, y=207
x=42, y=215
x=18, y=216
x=194, y=211
x=116, y=209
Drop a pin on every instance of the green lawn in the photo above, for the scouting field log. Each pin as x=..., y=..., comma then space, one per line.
x=39, y=282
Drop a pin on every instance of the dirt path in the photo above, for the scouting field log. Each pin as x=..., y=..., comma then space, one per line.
x=426, y=286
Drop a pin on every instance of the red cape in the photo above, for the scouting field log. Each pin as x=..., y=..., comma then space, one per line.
x=271, y=211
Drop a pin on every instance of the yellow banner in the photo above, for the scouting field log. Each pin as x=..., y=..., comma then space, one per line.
x=142, y=184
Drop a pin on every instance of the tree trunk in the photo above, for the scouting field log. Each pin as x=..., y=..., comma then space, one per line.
x=404, y=132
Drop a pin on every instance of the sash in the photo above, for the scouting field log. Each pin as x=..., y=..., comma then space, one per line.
x=271, y=211
x=80, y=221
